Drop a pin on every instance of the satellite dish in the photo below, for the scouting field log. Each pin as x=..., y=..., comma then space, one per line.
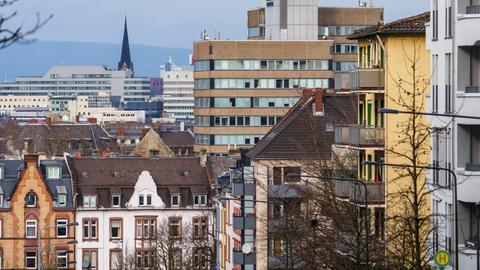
x=247, y=248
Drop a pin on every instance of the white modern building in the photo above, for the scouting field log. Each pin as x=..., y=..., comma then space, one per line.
x=82, y=81
x=291, y=20
x=178, y=100
x=453, y=40
x=123, y=204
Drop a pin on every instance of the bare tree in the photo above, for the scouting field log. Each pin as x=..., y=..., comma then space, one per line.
x=11, y=34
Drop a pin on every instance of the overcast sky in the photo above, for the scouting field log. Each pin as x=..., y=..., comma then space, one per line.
x=170, y=23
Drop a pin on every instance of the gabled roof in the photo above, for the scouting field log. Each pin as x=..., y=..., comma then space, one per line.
x=180, y=138
x=303, y=134
x=13, y=172
x=410, y=25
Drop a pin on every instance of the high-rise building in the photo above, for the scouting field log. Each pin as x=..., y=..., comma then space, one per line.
x=243, y=88
x=452, y=38
x=178, y=98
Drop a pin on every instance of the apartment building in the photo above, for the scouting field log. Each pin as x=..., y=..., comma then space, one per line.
x=243, y=88
x=178, y=100
x=453, y=44
x=386, y=78
x=156, y=210
x=37, y=215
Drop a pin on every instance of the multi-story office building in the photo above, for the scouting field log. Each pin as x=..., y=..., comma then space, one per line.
x=243, y=88
x=81, y=80
x=452, y=40
x=178, y=100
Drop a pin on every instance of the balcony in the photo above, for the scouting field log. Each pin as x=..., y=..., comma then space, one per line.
x=467, y=24
x=240, y=258
x=474, y=9
x=359, y=136
x=244, y=223
x=367, y=80
x=355, y=192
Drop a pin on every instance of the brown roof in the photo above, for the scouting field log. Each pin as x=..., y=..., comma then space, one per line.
x=181, y=138
x=105, y=176
x=55, y=139
x=301, y=134
x=410, y=25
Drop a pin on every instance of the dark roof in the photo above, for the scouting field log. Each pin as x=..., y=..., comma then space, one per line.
x=410, y=25
x=55, y=139
x=14, y=169
x=125, y=60
x=105, y=176
x=303, y=134
x=181, y=138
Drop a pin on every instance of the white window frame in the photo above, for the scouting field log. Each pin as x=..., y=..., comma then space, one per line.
x=90, y=201
x=53, y=172
x=199, y=200
x=62, y=256
x=62, y=202
x=141, y=200
x=33, y=223
x=65, y=222
x=119, y=200
x=149, y=200
x=178, y=200
x=31, y=257
x=34, y=199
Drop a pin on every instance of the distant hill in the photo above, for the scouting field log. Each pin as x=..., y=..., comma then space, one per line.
x=37, y=57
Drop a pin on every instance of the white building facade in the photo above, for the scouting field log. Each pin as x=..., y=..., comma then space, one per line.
x=83, y=81
x=453, y=41
x=118, y=223
x=178, y=100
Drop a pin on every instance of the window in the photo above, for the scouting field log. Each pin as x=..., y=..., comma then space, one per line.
x=199, y=200
x=31, y=229
x=448, y=19
x=116, y=200
x=175, y=200
x=53, y=172
x=62, y=259
x=141, y=200
x=149, y=199
x=145, y=228
x=62, y=200
x=2, y=169
x=380, y=223
x=90, y=229
x=89, y=201
x=200, y=259
x=175, y=227
x=435, y=83
x=448, y=83
x=177, y=259
x=281, y=175
x=200, y=229
x=31, y=199
x=62, y=229
x=435, y=20
x=115, y=259
x=31, y=259
x=89, y=259
x=145, y=258
x=115, y=228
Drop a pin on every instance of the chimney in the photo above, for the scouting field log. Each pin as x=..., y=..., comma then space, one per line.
x=78, y=154
x=105, y=154
x=92, y=120
x=318, y=109
x=203, y=158
x=49, y=121
x=182, y=126
x=77, y=118
x=30, y=160
x=121, y=131
x=307, y=94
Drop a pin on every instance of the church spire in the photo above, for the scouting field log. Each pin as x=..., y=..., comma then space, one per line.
x=125, y=60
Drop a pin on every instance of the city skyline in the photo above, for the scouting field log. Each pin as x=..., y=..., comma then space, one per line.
x=161, y=23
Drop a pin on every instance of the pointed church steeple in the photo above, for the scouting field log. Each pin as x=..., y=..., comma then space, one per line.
x=125, y=60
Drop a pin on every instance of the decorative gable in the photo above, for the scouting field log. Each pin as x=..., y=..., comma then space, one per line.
x=145, y=193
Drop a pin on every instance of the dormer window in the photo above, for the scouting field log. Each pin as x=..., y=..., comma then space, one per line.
x=116, y=200
x=141, y=200
x=53, y=172
x=115, y=174
x=90, y=201
x=199, y=200
x=175, y=200
x=31, y=199
x=61, y=196
x=149, y=199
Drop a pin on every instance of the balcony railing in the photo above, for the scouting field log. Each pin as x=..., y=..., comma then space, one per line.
x=367, y=79
x=359, y=136
x=355, y=192
x=474, y=9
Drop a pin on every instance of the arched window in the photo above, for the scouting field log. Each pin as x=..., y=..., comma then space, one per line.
x=31, y=199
